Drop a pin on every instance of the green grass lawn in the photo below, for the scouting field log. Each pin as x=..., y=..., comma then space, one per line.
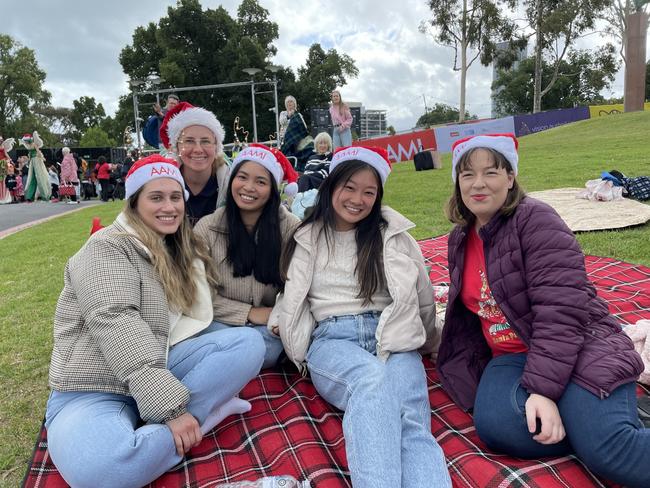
x=33, y=260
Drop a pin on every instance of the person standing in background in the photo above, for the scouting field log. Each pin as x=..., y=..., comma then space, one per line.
x=291, y=105
x=341, y=120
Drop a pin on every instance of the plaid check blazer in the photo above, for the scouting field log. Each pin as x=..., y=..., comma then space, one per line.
x=111, y=327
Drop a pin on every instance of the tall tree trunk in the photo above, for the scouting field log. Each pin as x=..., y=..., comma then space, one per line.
x=537, y=93
x=463, y=64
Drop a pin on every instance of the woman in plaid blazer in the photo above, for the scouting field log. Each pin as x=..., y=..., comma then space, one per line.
x=135, y=383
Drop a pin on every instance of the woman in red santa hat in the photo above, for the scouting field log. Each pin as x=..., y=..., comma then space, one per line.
x=195, y=136
x=246, y=238
x=135, y=383
x=357, y=311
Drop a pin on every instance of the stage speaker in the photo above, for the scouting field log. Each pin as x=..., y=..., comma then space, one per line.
x=427, y=160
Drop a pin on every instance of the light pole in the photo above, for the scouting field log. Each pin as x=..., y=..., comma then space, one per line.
x=156, y=80
x=252, y=72
x=274, y=69
x=136, y=113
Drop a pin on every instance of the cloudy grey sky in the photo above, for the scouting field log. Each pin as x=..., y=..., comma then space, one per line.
x=77, y=43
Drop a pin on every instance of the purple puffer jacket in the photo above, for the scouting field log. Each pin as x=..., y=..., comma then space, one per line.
x=536, y=272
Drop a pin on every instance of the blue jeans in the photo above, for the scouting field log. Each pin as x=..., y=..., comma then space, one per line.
x=606, y=435
x=387, y=419
x=341, y=139
x=272, y=342
x=96, y=438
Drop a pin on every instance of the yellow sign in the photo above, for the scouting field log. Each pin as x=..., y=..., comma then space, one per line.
x=615, y=108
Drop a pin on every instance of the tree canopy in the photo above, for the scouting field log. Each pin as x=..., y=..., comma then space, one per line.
x=580, y=79
x=556, y=25
x=193, y=47
x=441, y=113
x=471, y=28
x=21, y=88
x=321, y=73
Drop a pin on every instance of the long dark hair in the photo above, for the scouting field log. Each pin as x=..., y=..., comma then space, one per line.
x=370, y=264
x=258, y=252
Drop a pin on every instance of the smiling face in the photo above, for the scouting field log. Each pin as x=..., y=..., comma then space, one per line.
x=251, y=188
x=197, y=149
x=352, y=200
x=336, y=97
x=161, y=206
x=483, y=186
x=322, y=146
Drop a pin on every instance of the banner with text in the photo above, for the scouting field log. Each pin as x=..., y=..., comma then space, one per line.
x=532, y=123
x=403, y=147
x=612, y=109
x=447, y=134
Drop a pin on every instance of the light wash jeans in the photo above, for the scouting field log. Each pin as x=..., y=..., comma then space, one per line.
x=96, y=439
x=387, y=419
x=606, y=435
x=272, y=342
x=341, y=139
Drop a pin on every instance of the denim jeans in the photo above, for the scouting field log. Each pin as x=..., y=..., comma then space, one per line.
x=341, y=139
x=606, y=435
x=271, y=341
x=96, y=439
x=387, y=418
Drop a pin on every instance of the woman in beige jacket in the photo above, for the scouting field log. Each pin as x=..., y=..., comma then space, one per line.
x=245, y=239
x=357, y=308
x=134, y=386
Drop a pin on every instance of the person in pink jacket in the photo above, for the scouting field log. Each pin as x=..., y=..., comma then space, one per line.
x=341, y=120
x=69, y=174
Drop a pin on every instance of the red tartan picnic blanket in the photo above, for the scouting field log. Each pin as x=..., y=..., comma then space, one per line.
x=291, y=430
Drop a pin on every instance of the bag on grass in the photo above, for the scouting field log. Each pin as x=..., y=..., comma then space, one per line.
x=638, y=187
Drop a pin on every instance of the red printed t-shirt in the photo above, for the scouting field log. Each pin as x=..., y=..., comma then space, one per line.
x=477, y=297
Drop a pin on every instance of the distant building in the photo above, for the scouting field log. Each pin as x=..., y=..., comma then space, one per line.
x=521, y=55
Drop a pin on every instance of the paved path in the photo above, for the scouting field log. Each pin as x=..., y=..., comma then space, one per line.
x=19, y=216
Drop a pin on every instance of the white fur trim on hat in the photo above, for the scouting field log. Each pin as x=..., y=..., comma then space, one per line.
x=358, y=153
x=261, y=156
x=195, y=116
x=151, y=171
x=504, y=144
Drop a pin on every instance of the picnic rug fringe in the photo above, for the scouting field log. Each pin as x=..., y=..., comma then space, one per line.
x=291, y=430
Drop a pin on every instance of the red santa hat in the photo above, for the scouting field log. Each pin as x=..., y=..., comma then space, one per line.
x=274, y=161
x=150, y=168
x=184, y=115
x=506, y=144
x=377, y=157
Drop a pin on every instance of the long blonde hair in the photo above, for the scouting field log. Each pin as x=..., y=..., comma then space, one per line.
x=342, y=106
x=173, y=256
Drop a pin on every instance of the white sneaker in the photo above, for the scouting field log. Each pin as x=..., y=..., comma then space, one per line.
x=70, y=202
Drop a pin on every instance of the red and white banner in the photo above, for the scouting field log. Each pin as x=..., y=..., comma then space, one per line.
x=402, y=147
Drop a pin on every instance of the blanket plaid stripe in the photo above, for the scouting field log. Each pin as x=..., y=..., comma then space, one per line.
x=291, y=430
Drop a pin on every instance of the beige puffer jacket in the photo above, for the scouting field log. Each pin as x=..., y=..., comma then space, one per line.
x=407, y=324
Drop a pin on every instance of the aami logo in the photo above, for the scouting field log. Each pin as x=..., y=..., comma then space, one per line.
x=163, y=170
x=348, y=153
x=254, y=153
x=399, y=153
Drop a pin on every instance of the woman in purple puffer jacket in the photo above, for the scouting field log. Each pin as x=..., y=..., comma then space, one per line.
x=527, y=343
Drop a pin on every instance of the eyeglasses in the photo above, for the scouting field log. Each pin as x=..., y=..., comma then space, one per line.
x=190, y=142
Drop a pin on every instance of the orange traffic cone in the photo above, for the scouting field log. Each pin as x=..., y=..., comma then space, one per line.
x=97, y=224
